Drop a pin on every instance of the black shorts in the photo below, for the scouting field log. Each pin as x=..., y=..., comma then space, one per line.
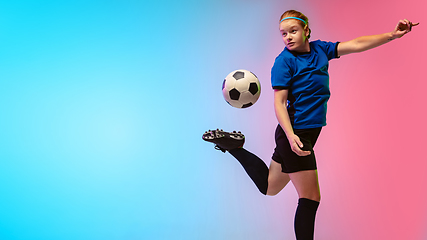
x=289, y=160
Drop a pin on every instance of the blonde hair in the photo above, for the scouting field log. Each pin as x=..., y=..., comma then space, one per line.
x=294, y=13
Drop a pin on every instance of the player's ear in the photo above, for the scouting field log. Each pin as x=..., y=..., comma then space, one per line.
x=307, y=31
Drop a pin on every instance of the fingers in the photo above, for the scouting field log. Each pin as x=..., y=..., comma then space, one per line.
x=300, y=144
x=413, y=25
x=301, y=153
x=403, y=25
x=296, y=148
x=406, y=25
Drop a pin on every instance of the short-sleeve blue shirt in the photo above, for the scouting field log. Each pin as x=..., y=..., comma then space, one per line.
x=307, y=79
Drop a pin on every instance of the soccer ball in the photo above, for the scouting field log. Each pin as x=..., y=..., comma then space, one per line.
x=241, y=88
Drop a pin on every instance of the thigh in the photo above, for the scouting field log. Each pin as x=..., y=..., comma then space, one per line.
x=277, y=179
x=290, y=161
x=307, y=184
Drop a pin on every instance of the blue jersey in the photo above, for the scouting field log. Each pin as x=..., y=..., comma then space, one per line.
x=306, y=77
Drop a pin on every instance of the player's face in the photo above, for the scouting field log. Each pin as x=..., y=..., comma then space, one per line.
x=294, y=36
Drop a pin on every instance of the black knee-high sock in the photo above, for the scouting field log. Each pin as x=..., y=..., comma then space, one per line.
x=304, y=219
x=254, y=167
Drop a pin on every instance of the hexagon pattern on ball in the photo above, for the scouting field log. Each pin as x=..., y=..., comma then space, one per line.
x=241, y=88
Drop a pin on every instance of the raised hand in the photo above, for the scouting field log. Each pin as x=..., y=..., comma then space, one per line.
x=403, y=27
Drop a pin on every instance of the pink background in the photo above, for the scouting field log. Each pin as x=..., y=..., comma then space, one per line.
x=371, y=156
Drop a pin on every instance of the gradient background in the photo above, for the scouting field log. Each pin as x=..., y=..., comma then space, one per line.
x=103, y=104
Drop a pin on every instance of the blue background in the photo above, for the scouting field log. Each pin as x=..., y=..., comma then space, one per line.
x=103, y=104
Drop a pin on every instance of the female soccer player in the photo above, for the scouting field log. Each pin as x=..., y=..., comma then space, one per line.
x=301, y=90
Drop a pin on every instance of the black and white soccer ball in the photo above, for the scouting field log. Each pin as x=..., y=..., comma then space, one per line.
x=241, y=88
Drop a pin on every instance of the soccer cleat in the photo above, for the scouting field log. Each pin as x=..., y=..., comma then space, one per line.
x=224, y=141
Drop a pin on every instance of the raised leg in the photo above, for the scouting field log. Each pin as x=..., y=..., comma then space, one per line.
x=277, y=179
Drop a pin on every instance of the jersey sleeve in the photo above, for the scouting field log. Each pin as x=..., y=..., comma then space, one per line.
x=281, y=74
x=330, y=48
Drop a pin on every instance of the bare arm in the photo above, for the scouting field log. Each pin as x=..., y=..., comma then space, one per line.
x=364, y=43
x=280, y=100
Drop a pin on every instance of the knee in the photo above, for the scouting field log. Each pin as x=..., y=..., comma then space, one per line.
x=312, y=194
x=272, y=192
x=317, y=199
x=314, y=197
x=273, y=188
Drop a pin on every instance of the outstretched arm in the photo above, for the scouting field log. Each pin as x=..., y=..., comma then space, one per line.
x=364, y=43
